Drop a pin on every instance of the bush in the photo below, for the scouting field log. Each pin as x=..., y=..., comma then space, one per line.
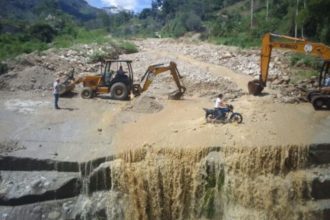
x=127, y=47
x=175, y=27
x=305, y=60
x=64, y=41
x=98, y=57
x=43, y=32
x=13, y=45
x=303, y=74
x=193, y=22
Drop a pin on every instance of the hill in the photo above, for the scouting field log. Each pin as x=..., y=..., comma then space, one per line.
x=32, y=10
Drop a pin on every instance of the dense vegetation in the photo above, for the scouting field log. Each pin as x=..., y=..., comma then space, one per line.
x=38, y=25
x=33, y=25
x=239, y=22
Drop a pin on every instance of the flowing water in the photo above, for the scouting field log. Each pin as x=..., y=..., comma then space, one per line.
x=214, y=183
x=149, y=183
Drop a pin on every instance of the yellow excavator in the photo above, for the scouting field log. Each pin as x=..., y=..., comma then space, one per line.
x=119, y=84
x=319, y=98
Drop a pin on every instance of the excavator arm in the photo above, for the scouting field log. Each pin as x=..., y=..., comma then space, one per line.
x=299, y=45
x=154, y=70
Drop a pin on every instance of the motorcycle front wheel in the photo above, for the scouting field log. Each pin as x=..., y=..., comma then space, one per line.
x=236, y=117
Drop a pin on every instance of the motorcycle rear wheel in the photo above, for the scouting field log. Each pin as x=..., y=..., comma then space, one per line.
x=210, y=118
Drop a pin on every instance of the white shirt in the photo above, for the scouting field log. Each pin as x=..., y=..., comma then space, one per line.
x=56, y=88
x=218, y=103
x=327, y=81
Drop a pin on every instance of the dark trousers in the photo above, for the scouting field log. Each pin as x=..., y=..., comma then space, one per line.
x=220, y=112
x=56, y=96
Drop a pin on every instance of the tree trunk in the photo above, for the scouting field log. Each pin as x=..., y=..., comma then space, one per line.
x=252, y=12
x=267, y=9
x=302, y=26
x=296, y=20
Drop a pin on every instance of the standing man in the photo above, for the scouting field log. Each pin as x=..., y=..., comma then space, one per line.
x=56, y=92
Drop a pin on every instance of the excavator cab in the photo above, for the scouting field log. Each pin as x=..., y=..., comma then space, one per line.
x=324, y=79
x=320, y=98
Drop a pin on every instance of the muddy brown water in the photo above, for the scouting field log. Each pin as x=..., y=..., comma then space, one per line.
x=283, y=182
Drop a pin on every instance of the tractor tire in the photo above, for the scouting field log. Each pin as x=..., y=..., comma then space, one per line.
x=86, y=93
x=119, y=91
x=311, y=94
x=318, y=103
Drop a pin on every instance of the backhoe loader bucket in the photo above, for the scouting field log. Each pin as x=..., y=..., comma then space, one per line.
x=66, y=88
x=68, y=83
x=255, y=87
x=176, y=95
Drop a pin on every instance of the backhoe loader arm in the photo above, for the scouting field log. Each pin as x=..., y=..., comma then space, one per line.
x=154, y=70
x=299, y=45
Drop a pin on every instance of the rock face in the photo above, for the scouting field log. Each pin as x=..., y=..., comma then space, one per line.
x=29, y=187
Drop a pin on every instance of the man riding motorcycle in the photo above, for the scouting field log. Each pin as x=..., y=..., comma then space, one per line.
x=220, y=106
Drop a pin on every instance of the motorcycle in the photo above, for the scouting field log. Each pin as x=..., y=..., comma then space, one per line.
x=228, y=115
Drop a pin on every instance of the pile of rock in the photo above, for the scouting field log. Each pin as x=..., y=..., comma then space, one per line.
x=242, y=61
x=36, y=71
x=197, y=81
x=292, y=92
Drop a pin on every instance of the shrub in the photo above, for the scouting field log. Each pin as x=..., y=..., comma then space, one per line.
x=193, y=22
x=100, y=56
x=305, y=60
x=43, y=32
x=127, y=47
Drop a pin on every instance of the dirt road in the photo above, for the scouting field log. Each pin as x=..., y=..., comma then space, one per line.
x=181, y=124
x=86, y=129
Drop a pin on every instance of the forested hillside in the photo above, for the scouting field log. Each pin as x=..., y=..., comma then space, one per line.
x=230, y=21
x=29, y=25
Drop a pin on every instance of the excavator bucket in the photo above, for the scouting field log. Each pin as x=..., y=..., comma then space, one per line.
x=176, y=95
x=255, y=87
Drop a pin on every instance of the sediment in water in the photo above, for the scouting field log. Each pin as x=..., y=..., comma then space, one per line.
x=214, y=183
x=283, y=182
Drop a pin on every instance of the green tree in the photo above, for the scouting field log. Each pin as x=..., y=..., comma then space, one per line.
x=43, y=32
x=316, y=20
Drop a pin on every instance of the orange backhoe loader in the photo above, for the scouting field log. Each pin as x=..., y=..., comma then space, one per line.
x=120, y=84
x=319, y=98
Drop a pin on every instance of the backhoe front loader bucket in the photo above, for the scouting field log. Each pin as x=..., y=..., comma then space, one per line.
x=66, y=88
x=255, y=87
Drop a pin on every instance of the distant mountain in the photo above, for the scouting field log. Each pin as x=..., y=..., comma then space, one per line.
x=32, y=10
